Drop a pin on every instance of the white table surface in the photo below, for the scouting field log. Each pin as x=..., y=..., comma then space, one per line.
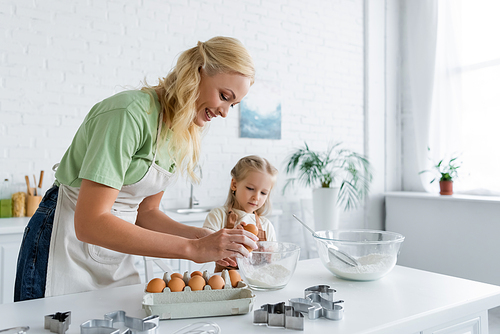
x=405, y=301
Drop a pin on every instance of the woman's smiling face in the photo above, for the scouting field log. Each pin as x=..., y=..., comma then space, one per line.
x=218, y=93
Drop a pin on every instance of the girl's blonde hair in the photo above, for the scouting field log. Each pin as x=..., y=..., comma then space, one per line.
x=179, y=90
x=240, y=171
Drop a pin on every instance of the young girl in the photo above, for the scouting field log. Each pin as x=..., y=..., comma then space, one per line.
x=248, y=201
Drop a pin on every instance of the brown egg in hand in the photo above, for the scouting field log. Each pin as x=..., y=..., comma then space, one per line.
x=176, y=284
x=252, y=229
x=156, y=285
x=216, y=282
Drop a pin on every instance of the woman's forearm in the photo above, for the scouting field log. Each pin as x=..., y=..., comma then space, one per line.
x=156, y=220
x=121, y=236
x=153, y=233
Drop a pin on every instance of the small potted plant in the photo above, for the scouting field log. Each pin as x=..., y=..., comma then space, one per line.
x=338, y=176
x=446, y=171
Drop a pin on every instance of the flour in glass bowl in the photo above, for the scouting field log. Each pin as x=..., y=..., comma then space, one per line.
x=267, y=276
x=372, y=267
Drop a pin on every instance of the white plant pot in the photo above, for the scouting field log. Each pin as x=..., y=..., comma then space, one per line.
x=326, y=211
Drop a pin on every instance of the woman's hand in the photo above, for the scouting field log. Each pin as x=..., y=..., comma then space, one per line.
x=201, y=232
x=227, y=262
x=223, y=244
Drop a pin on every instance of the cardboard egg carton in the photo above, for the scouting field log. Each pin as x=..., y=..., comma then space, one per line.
x=197, y=304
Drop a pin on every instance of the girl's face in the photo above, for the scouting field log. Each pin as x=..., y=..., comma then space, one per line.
x=252, y=191
x=218, y=93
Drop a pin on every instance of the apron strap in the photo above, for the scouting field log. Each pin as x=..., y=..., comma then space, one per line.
x=261, y=234
x=160, y=123
x=231, y=220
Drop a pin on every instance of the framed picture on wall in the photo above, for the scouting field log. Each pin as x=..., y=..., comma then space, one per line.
x=260, y=112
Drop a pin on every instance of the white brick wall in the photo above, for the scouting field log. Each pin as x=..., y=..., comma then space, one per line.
x=58, y=58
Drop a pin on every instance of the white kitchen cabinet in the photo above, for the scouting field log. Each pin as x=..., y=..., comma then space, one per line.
x=474, y=324
x=11, y=235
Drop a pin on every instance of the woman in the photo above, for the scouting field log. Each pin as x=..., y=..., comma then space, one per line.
x=104, y=205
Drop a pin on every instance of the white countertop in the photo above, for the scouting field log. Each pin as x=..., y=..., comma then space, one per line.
x=13, y=225
x=405, y=301
x=196, y=217
x=17, y=225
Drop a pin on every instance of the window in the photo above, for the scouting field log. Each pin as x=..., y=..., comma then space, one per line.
x=479, y=48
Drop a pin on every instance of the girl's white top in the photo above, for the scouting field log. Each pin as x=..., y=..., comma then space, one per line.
x=217, y=218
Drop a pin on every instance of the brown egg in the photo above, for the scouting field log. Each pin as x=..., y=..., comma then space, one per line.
x=176, y=275
x=176, y=284
x=216, y=282
x=196, y=283
x=197, y=272
x=156, y=285
x=252, y=229
x=235, y=277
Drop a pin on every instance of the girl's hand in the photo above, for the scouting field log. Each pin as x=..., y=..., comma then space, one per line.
x=241, y=225
x=223, y=244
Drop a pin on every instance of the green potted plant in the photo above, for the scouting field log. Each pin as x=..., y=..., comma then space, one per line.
x=445, y=171
x=339, y=177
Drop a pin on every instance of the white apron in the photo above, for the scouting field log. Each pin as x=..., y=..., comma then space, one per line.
x=75, y=266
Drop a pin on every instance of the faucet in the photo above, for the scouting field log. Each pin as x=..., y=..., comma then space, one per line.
x=192, y=200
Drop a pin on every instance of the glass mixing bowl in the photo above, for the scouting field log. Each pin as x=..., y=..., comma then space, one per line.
x=375, y=252
x=270, y=266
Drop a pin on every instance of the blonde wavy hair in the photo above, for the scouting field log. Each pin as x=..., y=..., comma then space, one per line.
x=179, y=90
x=243, y=167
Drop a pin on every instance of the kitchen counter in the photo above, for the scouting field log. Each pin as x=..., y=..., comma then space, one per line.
x=405, y=301
x=196, y=218
x=13, y=225
x=17, y=224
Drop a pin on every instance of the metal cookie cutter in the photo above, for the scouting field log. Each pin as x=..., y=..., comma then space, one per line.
x=58, y=322
x=279, y=315
x=318, y=302
x=148, y=325
x=15, y=330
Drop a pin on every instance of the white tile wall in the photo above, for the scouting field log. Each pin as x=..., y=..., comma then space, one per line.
x=58, y=58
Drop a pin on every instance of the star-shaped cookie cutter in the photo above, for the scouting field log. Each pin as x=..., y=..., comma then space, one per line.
x=148, y=325
x=58, y=322
x=279, y=315
x=318, y=302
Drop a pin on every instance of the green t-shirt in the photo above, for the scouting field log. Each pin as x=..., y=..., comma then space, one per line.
x=116, y=142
